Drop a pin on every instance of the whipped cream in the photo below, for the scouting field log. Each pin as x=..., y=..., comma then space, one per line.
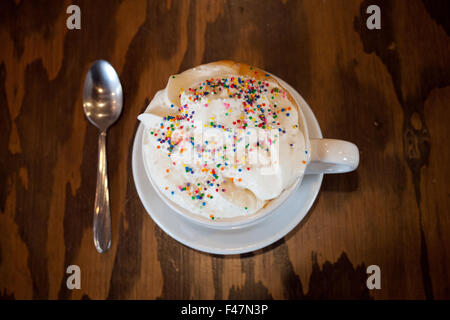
x=224, y=139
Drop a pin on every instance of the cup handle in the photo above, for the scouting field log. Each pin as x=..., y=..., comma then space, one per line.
x=332, y=156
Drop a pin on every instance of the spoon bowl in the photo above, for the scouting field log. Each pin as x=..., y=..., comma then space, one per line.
x=102, y=95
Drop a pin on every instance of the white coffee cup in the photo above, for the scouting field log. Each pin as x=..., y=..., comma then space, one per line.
x=325, y=156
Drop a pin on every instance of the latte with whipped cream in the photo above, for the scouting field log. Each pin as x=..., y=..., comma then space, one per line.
x=223, y=139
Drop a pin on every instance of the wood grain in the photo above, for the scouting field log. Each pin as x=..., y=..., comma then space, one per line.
x=386, y=90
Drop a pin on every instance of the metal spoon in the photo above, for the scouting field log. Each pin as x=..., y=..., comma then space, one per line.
x=102, y=103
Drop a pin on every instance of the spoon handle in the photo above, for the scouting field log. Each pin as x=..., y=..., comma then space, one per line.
x=102, y=215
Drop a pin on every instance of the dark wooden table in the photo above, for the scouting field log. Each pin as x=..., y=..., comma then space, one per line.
x=386, y=90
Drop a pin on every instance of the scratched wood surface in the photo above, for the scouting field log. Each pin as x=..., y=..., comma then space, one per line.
x=386, y=90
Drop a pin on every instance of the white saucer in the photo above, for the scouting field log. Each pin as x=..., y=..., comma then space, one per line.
x=235, y=241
